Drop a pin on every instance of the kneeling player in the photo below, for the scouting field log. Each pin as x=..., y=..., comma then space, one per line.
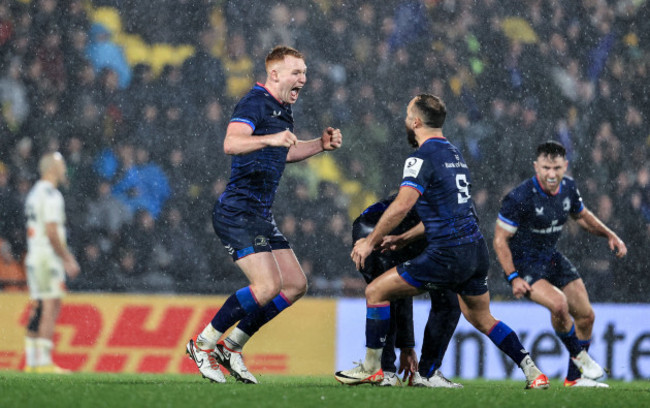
x=443, y=315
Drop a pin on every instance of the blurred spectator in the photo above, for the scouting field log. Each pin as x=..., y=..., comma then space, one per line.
x=23, y=160
x=204, y=142
x=103, y=53
x=143, y=186
x=105, y=212
x=13, y=95
x=51, y=57
x=183, y=259
x=96, y=269
x=238, y=67
x=12, y=273
x=12, y=220
x=203, y=73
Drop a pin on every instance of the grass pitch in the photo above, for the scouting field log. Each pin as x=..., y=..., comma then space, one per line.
x=140, y=390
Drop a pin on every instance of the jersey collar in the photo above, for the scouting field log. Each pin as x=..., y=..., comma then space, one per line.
x=265, y=89
x=434, y=139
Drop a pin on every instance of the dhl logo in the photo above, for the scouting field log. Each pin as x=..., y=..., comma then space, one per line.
x=148, y=335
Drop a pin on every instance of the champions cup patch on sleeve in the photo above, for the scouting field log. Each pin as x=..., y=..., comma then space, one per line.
x=412, y=167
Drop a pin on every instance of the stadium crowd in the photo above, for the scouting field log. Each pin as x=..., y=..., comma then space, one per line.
x=144, y=148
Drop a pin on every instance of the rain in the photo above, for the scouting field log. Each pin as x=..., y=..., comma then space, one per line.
x=137, y=95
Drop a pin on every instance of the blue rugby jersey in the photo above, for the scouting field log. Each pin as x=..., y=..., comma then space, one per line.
x=439, y=173
x=537, y=218
x=254, y=177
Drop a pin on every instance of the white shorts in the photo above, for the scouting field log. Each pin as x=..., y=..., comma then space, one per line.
x=45, y=275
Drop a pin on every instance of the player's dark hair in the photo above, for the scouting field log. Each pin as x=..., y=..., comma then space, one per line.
x=432, y=109
x=279, y=52
x=552, y=149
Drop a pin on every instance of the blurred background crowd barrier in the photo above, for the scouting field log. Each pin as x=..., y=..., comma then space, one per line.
x=137, y=95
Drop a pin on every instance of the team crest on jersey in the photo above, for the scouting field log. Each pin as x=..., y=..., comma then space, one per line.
x=260, y=240
x=412, y=167
x=566, y=204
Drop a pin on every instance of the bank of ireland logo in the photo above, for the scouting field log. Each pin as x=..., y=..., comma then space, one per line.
x=260, y=240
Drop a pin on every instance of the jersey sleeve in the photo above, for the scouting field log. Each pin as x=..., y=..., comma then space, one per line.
x=576, y=201
x=417, y=173
x=248, y=111
x=53, y=208
x=510, y=214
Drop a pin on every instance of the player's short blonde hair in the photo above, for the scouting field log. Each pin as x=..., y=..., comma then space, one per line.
x=279, y=52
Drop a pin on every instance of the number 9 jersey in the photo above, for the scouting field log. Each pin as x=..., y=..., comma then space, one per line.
x=439, y=173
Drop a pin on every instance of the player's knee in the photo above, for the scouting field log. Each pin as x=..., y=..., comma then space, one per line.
x=560, y=309
x=373, y=294
x=482, y=322
x=267, y=291
x=295, y=290
x=586, y=320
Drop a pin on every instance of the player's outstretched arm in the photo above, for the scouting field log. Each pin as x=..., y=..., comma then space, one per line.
x=520, y=287
x=240, y=140
x=331, y=139
x=588, y=221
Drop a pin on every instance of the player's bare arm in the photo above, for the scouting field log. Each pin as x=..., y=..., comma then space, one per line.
x=331, y=139
x=240, y=140
x=69, y=262
x=502, y=236
x=397, y=242
x=394, y=214
x=588, y=221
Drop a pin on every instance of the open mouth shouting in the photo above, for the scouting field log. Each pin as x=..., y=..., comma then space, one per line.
x=294, y=93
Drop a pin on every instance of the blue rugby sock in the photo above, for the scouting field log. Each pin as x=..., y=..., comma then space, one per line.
x=252, y=322
x=238, y=305
x=377, y=325
x=570, y=341
x=508, y=342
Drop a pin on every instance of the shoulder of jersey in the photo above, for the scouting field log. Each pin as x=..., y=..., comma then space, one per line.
x=568, y=181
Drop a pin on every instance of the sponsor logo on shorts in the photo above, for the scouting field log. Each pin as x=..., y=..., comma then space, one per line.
x=230, y=249
x=430, y=286
x=260, y=240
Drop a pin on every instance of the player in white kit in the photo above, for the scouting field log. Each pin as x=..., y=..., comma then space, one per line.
x=48, y=262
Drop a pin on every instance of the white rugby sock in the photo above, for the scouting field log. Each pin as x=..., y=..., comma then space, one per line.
x=44, y=351
x=237, y=339
x=372, y=362
x=208, y=338
x=30, y=352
